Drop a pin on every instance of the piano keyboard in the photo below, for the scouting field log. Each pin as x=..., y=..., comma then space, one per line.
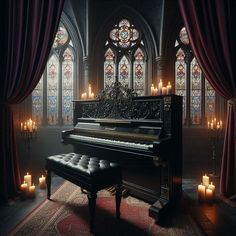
x=112, y=142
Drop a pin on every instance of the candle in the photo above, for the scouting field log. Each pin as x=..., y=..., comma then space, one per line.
x=27, y=179
x=212, y=127
x=152, y=89
x=160, y=86
x=208, y=125
x=163, y=91
x=21, y=126
x=155, y=91
x=42, y=182
x=205, y=180
x=213, y=188
x=32, y=191
x=218, y=125
x=84, y=95
x=168, y=88
x=24, y=187
x=201, y=192
x=209, y=195
x=92, y=95
x=89, y=91
x=221, y=124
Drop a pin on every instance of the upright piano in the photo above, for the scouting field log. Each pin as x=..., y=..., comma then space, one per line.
x=143, y=134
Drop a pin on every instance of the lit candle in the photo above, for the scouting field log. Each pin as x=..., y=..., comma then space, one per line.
x=84, y=95
x=205, y=180
x=213, y=188
x=218, y=125
x=163, y=90
x=92, y=95
x=155, y=91
x=21, y=126
x=201, y=192
x=27, y=179
x=212, y=127
x=221, y=124
x=209, y=195
x=208, y=124
x=214, y=121
x=89, y=91
x=168, y=88
x=24, y=187
x=32, y=191
x=160, y=84
x=152, y=89
x=42, y=182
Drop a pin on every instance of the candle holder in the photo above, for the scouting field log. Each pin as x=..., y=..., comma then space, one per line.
x=215, y=130
x=29, y=130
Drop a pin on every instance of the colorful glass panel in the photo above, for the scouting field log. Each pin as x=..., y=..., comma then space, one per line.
x=209, y=101
x=183, y=36
x=196, y=98
x=109, y=68
x=139, y=72
x=52, y=90
x=67, y=87
x=61, y=36
x=124, y=71
x=37, y=102
x=124, y=34
x=180, y=78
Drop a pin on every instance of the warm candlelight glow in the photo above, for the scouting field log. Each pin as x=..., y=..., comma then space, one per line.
x=160, y=84
x=27, y=179
x=24, y=187
x=213, y=188
x=209, y=195
x=152, y=90
x=201, y=192
x=163, y=91
x=205, y=180
x=42, y=182
x=168, y=88
x=84, y=95
x=214, y=124
x=32, y=191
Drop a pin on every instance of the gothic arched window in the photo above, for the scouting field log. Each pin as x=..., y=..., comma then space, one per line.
x=52, y=97
x=198, y=95
x=125, y=57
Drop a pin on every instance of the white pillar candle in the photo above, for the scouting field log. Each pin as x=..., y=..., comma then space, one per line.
x=89, y=91
x=201, y=192
x=163, y=91
x=42, y=182
x=24, y=187
x=32, y=191
x=205, y=180
x=168, y=88
x=152, y=89
x=209, y=195
x=213, y=188
x=27, y=179
x=160, y=84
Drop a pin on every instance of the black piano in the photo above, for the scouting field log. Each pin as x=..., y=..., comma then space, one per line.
x=143, y=134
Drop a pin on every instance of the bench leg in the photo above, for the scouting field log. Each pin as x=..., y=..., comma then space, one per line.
x=92, y=204
x=118, y=200
x=48, y=181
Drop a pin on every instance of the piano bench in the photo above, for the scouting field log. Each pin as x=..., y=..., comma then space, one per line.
x=90, y=173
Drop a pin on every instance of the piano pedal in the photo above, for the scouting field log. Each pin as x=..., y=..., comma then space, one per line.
x=112, y=191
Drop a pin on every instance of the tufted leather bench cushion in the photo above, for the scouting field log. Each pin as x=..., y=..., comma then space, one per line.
x=88, y=172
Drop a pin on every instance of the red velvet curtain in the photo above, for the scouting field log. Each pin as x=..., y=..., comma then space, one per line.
x=28, y=28
x=211, y=27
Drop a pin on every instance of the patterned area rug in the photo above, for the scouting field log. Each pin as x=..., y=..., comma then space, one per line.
x=67, y=215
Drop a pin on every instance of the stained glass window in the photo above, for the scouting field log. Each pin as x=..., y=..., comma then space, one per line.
x=124, y=71
x=37, y=102
x=195, y=86
x=109, y=68
x=52, y=90
x=55, y=89
x=61, y=36
x=209, y=101
x=180, y=78
x=124, y=35
x=67, y=86
x=139, y=72
x=127, y=60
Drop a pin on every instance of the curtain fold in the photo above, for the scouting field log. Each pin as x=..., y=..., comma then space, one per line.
x=28, y=31
x=211, y=29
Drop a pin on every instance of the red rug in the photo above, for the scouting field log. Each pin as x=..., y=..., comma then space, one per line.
x=67, y=215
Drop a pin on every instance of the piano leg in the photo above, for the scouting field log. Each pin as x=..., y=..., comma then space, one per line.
x=160, y=207
x=118, y=200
